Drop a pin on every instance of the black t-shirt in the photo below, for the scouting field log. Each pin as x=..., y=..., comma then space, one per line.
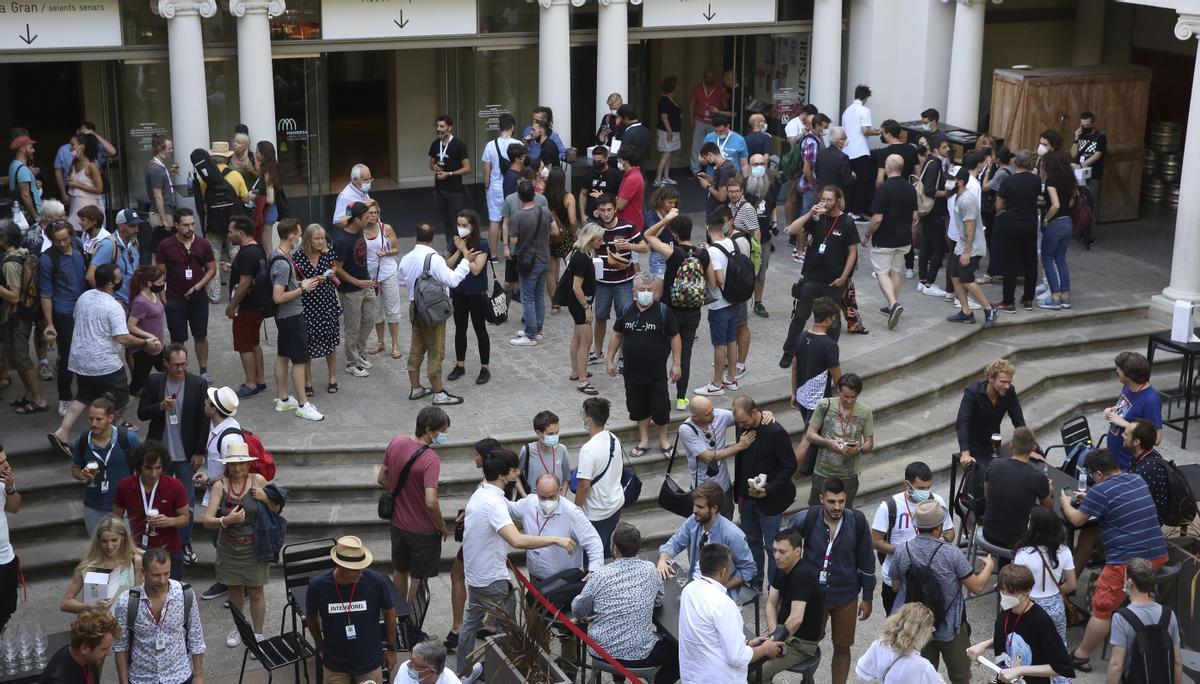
x=636, y=135
x=329, y=601
x=580, y=264
x=647, y=341
x=838, y=235
x=674, y=114
x=1086, y=146
x=933, y=180
x=62, y=669
x=908, y=152
x=608, y=181
x=815, y=354
x=896, y=199
x=451, y=159
x=1041, y=638
x=351, y=249
x=721, y=174
x=1013, y=488
x=675, y=261
x=512, y=178
x=801, y=584
x=1064, y=191
x=759, y=142
x=1020, y=193
x=246, y=263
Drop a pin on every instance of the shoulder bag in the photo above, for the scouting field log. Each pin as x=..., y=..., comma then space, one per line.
x=497, y=311
x=387, y=500
x=671, y=496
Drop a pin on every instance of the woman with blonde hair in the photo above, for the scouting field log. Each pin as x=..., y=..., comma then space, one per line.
x=580, y=279
x=383, y=247
x=111, y=551
x=895, y=657
x=322, y=312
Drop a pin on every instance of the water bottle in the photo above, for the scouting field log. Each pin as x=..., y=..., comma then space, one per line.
x=1082, y=484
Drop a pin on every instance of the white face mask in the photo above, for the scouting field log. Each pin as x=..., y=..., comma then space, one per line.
x=645, y=298
x=758, y=171
x=1042, y=150
x=546, y=172
x=366, y=186
x=548, y=506
x=1009, y=602
x=463, y=232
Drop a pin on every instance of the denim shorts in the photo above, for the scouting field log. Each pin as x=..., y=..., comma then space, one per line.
x=616, y=296
x=722, y=325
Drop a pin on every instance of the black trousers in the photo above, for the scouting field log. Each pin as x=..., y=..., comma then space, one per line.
x=858, y=198
x=933, y=246
x=688, y=321
x=810, y=290
x=1018, y=248
x=10, y=574
x=64, y=324
x=448, y=205
x=473, y=307
x=142, y=364
x=664, y=656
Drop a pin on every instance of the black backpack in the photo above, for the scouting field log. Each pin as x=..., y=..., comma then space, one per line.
x=891, y=522
x=122, y=441
x=262, y=289
x=1181, y=500
x=921, y=586
x=1151, y=656
x=221, y=202
x=739, y=275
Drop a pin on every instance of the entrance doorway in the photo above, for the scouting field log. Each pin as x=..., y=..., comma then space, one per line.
x=51, y=115
x=358, y=116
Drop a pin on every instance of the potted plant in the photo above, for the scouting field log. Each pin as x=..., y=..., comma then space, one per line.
x=519, y=650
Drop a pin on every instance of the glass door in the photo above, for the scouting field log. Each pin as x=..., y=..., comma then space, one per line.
x=300, y=127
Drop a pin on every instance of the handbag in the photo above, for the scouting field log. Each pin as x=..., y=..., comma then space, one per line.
x=671, y=496
x=497, y=310
x=1081, y=215
x=387, y=500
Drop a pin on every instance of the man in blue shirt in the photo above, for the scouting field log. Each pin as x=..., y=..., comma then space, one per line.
x=545, y=116
x=708, y=526
x=100, y=458
x=121, y=248
x=731, y=145
x=61, y=279
x=22, y=182
x=1138, y=400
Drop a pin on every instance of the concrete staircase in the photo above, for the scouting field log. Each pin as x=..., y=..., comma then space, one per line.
x=1064, y=367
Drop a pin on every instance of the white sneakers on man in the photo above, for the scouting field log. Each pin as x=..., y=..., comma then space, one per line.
x=309, y=412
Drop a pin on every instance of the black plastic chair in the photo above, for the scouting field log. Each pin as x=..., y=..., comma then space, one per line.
x=409, y=630
x=600, y=665
x=289, y=648
x=807, y=668
x=1076, y=440
x=301, y=562
x=748, y=595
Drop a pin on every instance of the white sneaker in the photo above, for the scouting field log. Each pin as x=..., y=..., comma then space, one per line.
x=523, y=342
x=289, y=405
x=357, y=371
x=974, y=305
x=521, y=333
x=908, y=274
x=933, y=291
x=741, y=370
x=234, y=639
x=920, y=287
x=63, y=406
x=309, y=412
x=365, y=363
x=710, y=390
x=730, y=385
x=951, y=297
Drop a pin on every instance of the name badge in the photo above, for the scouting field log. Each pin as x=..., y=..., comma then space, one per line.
x=187, y=273
x=823, y=578
x=145, y=540
x=708, y=114
x=351, y=632
x=174, y=419
x=160, y=642
x=821, y=248
x=104, y=487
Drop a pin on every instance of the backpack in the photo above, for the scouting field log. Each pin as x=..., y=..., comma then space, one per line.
x=220, y=201
x=689, y=289
x=924, y=202
x=891, y=522
x=265, y=465
x=739, y=275
x=28, y=305
x=1181, y=500
x=262, y=288
x=122, y=441
x=429, y=297
x=791, y=166
x=135, y=602
x=921, y=586
x=1152, y=654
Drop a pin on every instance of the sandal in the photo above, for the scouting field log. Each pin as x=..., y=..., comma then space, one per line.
x=555, y=309
x=376, y=349
x=396, y=354
x=639, y=451
x=575, y=378
x=588, y=389
x=23, y=402
x=5, y=382
x=1081, y=664
x=30, y=408
x=668, y=452
x=58, y=444
x=130, y=426
x=332, y=388
x=309, y=392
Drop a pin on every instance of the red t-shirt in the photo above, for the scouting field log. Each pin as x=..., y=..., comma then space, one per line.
x=633, y=188
x=169, y=499
x=177, y=259
x=409, y=513
x=703, y=103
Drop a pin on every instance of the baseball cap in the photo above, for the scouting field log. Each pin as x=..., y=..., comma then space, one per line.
x=21, y=141
x=129, y=216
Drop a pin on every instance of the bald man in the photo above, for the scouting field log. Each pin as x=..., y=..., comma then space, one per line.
x=758, y=140
x=704, y=439
x=547, y=513
x=893, y=214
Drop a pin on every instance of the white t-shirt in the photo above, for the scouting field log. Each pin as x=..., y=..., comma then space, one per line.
x=606, y=496
x=720, y=262
x=485, y=554
x=954, y=230
x=403, y=676
x=6, y=549
x=99, y=318
x=90, y=243
x=853, y=119
x=214, y=468
x=490, y=156
x=902, y=530
x=794, y=128
x=1045, y=577
x=880, y=664
x=345, y=198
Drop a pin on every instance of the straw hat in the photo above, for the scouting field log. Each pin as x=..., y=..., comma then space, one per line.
x=225, y=399
x=221, y=149
x=350, y=553
x=238, y=452
x=929, y=514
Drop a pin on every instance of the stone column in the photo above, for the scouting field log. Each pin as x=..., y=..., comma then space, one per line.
x=189, y=100
x=612, y=51
x=1089, y=33
x=554, y=62
x=256, y=84
x=1185, y=260
x=966, y=63
x=826, y=65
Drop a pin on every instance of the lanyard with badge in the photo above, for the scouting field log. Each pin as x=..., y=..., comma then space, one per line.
x=187, y=259
x=541, y=524
x=160, y=641
x=112, y=443
x=832, y=227
x=351, y=632
x=707, y=100
x=721, y=145
x=173, y=417
x=823, y=579
x=442, y=147
x=147, y=506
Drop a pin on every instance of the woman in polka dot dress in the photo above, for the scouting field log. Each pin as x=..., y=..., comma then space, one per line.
x=321, y=309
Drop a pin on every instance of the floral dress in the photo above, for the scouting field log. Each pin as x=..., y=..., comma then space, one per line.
x=322, y=311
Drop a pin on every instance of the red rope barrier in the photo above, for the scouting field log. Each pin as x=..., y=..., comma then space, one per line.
x=557, y=614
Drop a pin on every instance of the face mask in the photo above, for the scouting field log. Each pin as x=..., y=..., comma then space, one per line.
x=923, y=126
x=366, y=186
x=548, y=506
x=117, y=285
x=758, y=171
x=622, y=167
x=158, y=288
x=550, y=440
x=463, y=232
x=412, y=674
x=440, y=439
x=597, y=166
x=1126, y=589
x=1086, y=131
x=1009, y=602
x=645, y=298
x=546, y=172
x=920, y=495
x=1042, y=150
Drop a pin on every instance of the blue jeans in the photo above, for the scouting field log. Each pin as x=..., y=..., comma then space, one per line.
x=533, y=297
x=182, y=471
x=1056, y=237
x=760, y=530
x=808, y=198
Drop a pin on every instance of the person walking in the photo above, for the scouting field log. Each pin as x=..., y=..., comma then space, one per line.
x=100, y=459
x=670, y=130
x=15, y=326
x=470, y=297
x=562, y=206
x=147, y=317
x=161, y=637
x=61, y=281
x=382, y=248
x=85, y=184
x=155, y=504
x=894, y=213
x=245, y=304
x=322, y=308
x=357, y=291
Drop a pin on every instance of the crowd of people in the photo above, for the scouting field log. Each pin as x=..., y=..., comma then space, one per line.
x=105, y=303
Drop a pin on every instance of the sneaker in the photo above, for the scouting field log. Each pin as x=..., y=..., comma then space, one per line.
x=357, y=371
x=63, y=406
x=259, y=638
x=484, y=376
x=216, y=591
x=973, y=305
x=207, y=378
x=594, y=358
x=797, y=256
x=885, y=310
x=785, y=361
x=1006, y=308
x=1048, y=303
x=451, y=642
x=365, y=363
x=933, y=291
x=44, y=372
x=189, y=556
x=908, y=274
x=681, y=404
x=950, y=297
x=523, y=342
x=667, y=180
x=1064, y=303
x=658, y=182
x=730, y=385
x=309, y=412
x=760, y=310
x=1027, y=304
x=1042, y=288
x=246, y=391
x=521, y=333
x=444, y=398
x=234, y=639
x=961, y=317
x=921, y=287
x=741, y=370
x=285, y=405
x=989, y=317
x=894, y=315
x=710, y=390
x=457, y=373
x=538, y=337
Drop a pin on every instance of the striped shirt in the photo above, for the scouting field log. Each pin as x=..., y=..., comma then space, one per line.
x=1128, y=519
x=568, y=520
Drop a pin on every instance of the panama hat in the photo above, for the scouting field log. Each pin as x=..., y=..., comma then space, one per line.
x=350, y=553
x=238, y=452
x=225, y=399
x=929, y=514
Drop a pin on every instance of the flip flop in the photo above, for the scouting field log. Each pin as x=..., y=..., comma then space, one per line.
x=575, y=378
x=396, y=354
x=639, y=451
x=668, y=452
x=332, y=388
x=30, y=408
x=58, y=444
x=588, y=389
x=1081, y=664
x=375, y=350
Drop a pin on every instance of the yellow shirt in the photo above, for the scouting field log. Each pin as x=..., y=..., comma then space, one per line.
x=235, y=179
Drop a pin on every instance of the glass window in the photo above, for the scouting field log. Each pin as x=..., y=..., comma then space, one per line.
x=505, y=81
x=795, y=10
x=221, y=77
x=145, y=103
x=300, y=21
x=299, y=99
x=142, y=26
x=506, y=16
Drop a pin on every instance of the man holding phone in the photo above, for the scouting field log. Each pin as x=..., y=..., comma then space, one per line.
x=614, y=289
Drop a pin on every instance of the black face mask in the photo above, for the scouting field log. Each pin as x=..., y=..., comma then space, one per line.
x=598, y=166
x=1086, y=130
x=158, y=288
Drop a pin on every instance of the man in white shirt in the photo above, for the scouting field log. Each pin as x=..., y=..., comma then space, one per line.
x=495, y=163
x=712, y=645
x=599, y=492
x=357, y=190
x=857, y=122
x=799, y=124
x=431, y=338
x=893, y=524
x=488, y=531
x=546, y=514
x=723, y=315
x=427, y=666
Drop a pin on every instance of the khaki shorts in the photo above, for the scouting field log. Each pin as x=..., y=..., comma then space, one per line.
x=332, y=677
x=426, y=340
x=14, y=336
x=889, y=259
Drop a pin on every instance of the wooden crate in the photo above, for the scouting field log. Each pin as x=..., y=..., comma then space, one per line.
x=1026, y=102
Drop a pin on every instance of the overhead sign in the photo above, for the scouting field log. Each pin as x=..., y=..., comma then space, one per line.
x=715, y=13
x=59, y=24
x=358, y=19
